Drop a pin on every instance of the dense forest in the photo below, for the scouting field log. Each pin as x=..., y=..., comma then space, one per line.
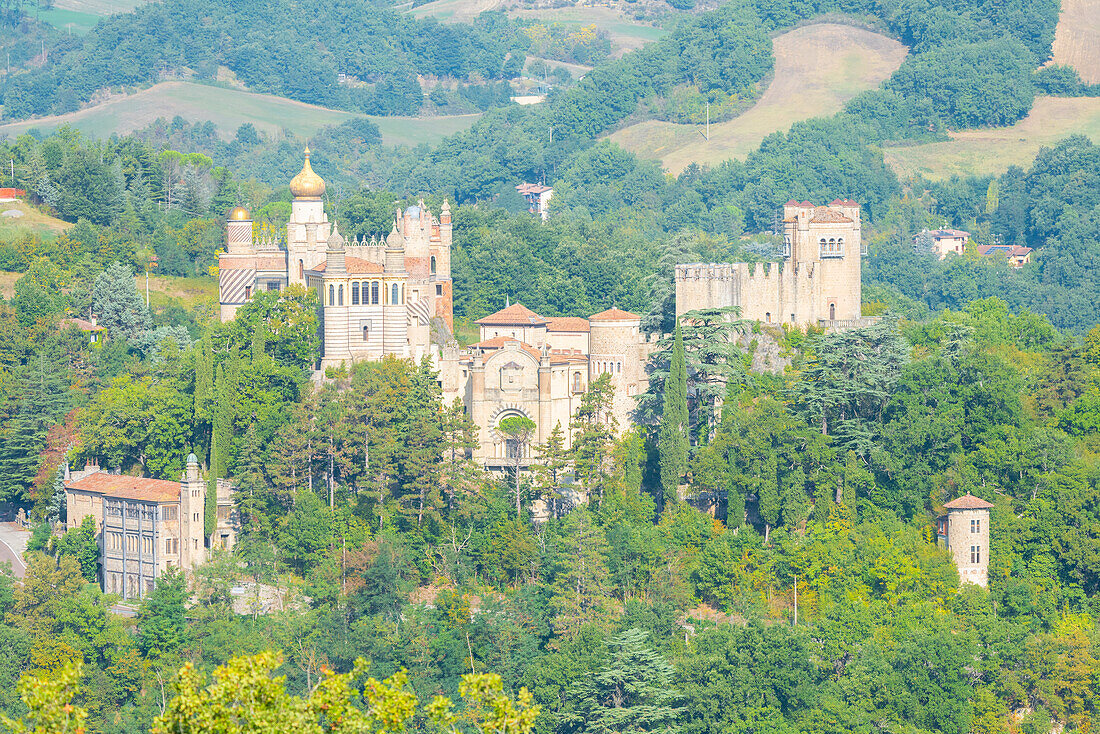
x=827, y=476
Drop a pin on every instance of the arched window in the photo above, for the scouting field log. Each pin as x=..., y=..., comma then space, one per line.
x=832, y=312
x=374, y=293
x=577, y=386
x=433, y=264
x=355, y=294
x=331, y=295
x=366, y=333
x=340, y=294
x=840, y=245
x=394, y=294
x=301, y=270
x=768, y=317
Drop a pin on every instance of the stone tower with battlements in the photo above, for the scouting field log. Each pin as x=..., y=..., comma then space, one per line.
x=817, y=282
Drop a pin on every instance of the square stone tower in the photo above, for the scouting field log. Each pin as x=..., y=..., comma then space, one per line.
x=965, y=532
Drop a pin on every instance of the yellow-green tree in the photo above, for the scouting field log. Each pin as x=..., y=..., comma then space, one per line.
x=244, y=696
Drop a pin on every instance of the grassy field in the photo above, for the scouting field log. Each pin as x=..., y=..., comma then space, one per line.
x=817, y=69
x=1077, y=40
x=986, y=152
x=192, y=294
x=626, y=34
x=32, y=220
x=229, y=109
x=7, y=284
x=98, y=7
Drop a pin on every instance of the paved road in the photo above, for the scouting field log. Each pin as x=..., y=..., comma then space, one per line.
x=13, y=541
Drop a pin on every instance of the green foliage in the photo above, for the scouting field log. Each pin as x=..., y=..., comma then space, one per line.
x=672, y=442
x=162, y=622
x=631, y=693
x=117, y=303
x=81, y=544
x=49, y=702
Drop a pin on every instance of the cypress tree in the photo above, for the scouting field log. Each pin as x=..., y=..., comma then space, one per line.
x=221, y=439
x=769, y=495
x=672, y=442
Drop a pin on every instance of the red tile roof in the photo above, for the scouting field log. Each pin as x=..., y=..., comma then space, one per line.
x=498, y=342
x=354, y=266
x=127, y=487
x=829, y=216
x=968, y=502
x=515, y=315
x=567, y=323
x=614, y=314
x=82, y=324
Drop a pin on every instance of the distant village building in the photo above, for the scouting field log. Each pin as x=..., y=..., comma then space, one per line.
x=817, y=283
x=144, y=526
x=964, y=530
x=538, y=198
x=1017, y=255
x=540, y=368
x=90, y=327
x=944, y=241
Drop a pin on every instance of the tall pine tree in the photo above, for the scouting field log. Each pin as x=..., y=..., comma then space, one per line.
x=672, y=441
x=221, y=439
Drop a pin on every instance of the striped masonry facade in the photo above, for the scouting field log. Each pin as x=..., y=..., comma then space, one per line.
x=232, y=283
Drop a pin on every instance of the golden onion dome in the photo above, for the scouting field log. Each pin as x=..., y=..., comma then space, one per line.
x=239, y=214
x=307, y=184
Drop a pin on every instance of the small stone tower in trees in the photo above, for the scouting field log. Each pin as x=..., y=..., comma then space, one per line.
x=965, y=532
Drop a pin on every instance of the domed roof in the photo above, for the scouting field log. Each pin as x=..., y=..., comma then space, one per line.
x=335, y=239
x=307, y=184
x=239, y=214
x=413, y=211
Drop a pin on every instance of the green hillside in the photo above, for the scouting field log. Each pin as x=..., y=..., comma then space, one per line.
x=991, y=151
x=229, y=109
x=817, y=69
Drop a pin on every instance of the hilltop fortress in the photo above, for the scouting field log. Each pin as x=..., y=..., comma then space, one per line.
x=393, y=296
x=817, y=283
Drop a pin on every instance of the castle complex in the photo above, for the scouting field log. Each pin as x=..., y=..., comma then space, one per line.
x=817, y=283
x=393, y=297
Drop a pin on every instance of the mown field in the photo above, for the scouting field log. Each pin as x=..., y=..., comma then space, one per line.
x=32, y=220
x=229, y=109
x=992, y=151
x=1077, y=40
x=817, y=69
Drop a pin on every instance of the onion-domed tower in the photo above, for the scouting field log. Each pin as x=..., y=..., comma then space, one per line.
x=308, y=230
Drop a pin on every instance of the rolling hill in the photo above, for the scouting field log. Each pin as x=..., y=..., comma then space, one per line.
x=991, y=151
x=229, y=109
x=817, y=69
x=1077, y=40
